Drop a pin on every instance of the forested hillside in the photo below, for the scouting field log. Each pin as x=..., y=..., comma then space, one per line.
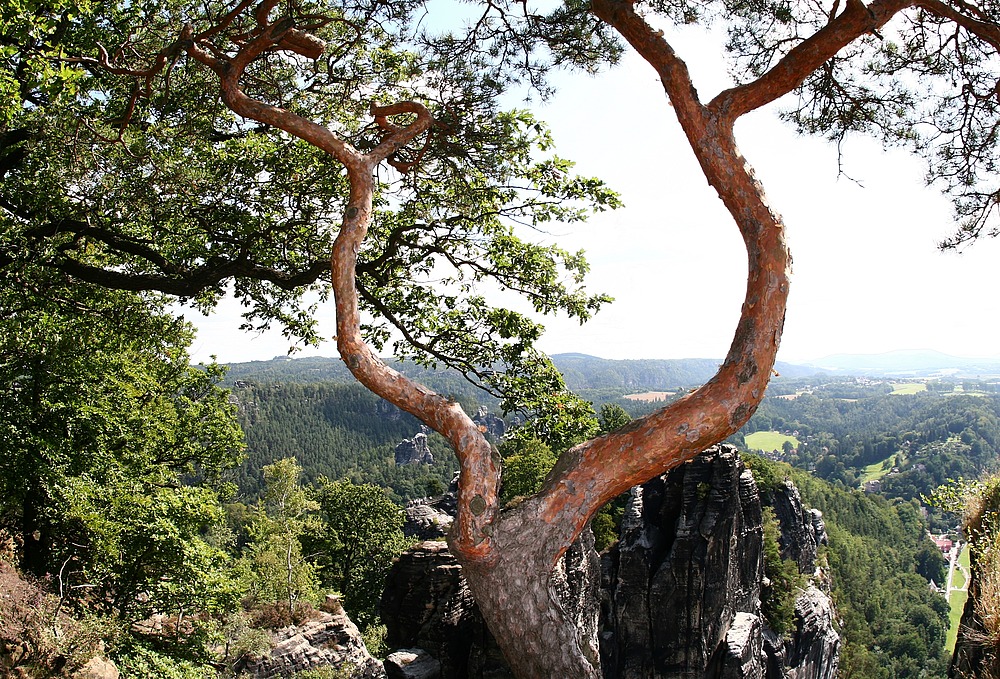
x=879, y=555
x=881, y=563
x=583, y=372
x=340, y=431
x=855, y=431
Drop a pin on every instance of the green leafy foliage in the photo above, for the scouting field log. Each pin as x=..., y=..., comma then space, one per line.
x=359, y=533
x=139, y=660
x=613, y=416
x=148, y=182
x=113, y=448
x=276, y=568
x=525, y=466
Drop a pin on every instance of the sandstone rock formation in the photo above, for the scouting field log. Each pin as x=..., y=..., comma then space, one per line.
x=414, y=451
x=683, y=584
x=679, y=594
x=429, y=518
x=802, y=530
x=743, y=652
x=331, y=640
x=493, y=425
x=689, y=560
x=813, y=650
x=427, y=604
x=97, y=668
x=413, y=663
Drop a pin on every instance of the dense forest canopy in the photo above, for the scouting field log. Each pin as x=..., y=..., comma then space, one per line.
x=918, y=441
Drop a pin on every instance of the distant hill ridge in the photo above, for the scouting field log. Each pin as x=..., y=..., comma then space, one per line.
x=581, y=371
x=920, y=363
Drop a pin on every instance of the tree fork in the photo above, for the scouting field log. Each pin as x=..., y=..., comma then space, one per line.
x=509, y=558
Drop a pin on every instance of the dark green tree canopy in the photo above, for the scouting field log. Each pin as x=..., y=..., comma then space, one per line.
x=112, y=448
x=121, y=166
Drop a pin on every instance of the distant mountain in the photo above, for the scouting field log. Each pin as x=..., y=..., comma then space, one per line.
x=581, y=371
x=590, y=372
x=918, y=363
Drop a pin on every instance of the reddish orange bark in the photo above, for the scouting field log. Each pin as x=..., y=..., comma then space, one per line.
x=508, y=557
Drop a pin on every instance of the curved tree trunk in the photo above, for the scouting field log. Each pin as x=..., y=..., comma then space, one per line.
x=513, y=587
x=516, y=593
x=508, y=558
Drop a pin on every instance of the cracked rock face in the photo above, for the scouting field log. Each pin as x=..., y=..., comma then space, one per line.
x=682, y=587
x=689, y=560
x=493, y=425
x=679, y=594
x=813, y=651
x=427, y=604
x=331, y=640
x=429, y=518
x=412, y=663
x=742, y=655
x=802, y=530
x=414, y=451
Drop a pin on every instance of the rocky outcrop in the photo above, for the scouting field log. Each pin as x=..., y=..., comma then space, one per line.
x=679, y=594
x=802, y=530
x=97, y=668
x=813, y=650
x=414, y=451
x=490, y=423
x=414, y=663
x=683, y=584
x=688, y=561
x=429, y=518
x=742, y=654
x=331, y=640
x=427, y=605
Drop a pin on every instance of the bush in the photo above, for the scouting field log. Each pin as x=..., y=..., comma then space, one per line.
x=783, y=583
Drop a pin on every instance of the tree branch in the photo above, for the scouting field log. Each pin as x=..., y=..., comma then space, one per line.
x=803, y=59
x=480, y=471
x=591, y=474
x=987, y=31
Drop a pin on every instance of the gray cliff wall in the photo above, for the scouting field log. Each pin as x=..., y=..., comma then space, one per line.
x=689, y=560
x=682, y=586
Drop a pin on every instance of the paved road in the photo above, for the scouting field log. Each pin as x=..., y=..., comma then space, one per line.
x=956, y=550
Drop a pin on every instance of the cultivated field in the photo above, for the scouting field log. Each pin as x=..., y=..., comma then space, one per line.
x=908, y=387
x=768, y=440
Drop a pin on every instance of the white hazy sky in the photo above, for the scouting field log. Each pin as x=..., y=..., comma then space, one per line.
x=868, y=276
